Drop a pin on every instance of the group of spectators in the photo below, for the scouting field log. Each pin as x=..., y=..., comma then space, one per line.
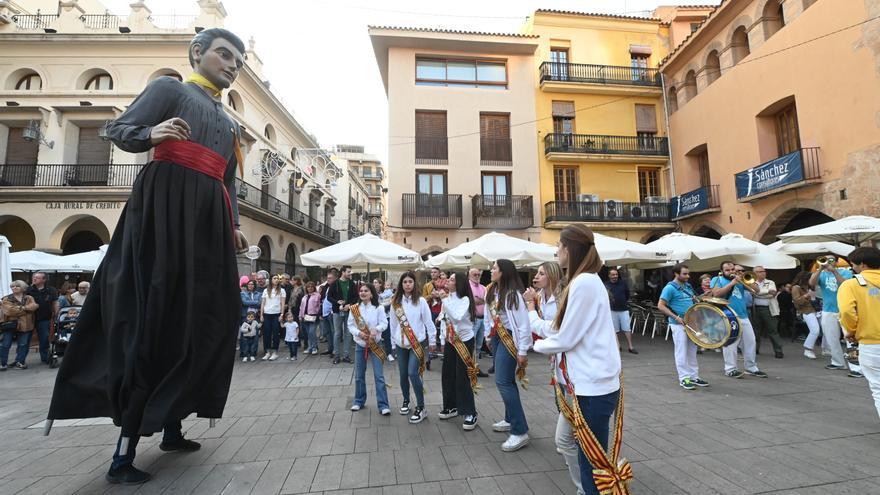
x=34, y=308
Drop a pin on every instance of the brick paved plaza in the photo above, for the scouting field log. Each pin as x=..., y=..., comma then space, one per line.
x=288, y=429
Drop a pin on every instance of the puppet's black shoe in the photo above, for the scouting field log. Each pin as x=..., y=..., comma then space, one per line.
x=182, y=445
x=127, y=475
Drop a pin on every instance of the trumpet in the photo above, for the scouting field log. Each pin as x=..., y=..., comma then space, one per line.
x=749, y=279
x=823, y=260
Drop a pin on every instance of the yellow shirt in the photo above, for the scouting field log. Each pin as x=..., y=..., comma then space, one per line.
x=428, y=290
x=860, y=307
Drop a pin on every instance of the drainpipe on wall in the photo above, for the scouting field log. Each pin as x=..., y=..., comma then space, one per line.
x=668, y=136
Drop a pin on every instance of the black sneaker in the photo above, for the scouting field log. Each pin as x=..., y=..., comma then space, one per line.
x=780, y=355
x=687, y=384
x=418, y=415
x=3, y=367
x=827, y=367
x=854, y=374
x=633, y=351
x=758, y=373
x=700, y=382
x=470, y=422
x=19, y=366
x=428, y=365
x=734, y=374
x=404, y=409
x=448, y=413
x=182, y=445
x=346, y=359
x=335, y=360
x=127, y=475
x=482, y=374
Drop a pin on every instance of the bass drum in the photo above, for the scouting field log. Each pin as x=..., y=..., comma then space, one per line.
x=711, y=325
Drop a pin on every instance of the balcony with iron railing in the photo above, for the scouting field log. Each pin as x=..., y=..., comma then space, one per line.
x=502, y=212
x=354, y=231
x=34, y=21
x=595, y=144
x=496, y=151
x=100, y=21
x=68, y=175
x=700, y=201
x=432, y=211
x=790, y=171
x=569, y=77
x=292, y=219
x=606, y=212
x=432, y=151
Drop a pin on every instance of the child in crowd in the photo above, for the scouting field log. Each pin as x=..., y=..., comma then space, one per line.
x=249, y=334
x=291, y=336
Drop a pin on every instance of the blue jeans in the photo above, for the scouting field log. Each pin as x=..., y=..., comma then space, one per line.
x=292, y=346
x=311, y=329
x=341, y=335
x=408, y=366
x=23, y=341
x=249, y=346
x=327, y=330
x=43, y=336
x=597, y=411
x=360, y=380
x=171, y=433
x=271, y=332
x=505, y=381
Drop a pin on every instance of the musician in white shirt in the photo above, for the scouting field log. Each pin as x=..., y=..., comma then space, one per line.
x=459, y=310
x=586, y=336
x=504, y=299
x=371, y=328
x=409, y=301
x=548, y=281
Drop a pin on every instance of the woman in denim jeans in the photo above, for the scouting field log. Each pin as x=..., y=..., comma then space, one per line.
x=18, y=307
x=309, y=311
x=374, y=323
x=505, y=296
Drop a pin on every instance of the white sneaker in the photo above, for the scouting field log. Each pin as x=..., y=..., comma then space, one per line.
x=515, y=442
x=253, y=359
x=355, y=408
x=244, y=360
x=266, y=356
x=273, y=357
x=314, y=352
x=501, y=426
x=809, y=354
x=390, y=358
x=385, y=412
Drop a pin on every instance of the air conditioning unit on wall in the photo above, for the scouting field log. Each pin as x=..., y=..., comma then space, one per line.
x=588, y=198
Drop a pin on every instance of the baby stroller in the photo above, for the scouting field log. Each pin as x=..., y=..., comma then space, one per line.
x=64, y=328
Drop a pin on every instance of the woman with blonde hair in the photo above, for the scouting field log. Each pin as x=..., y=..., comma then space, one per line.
x=589, y=366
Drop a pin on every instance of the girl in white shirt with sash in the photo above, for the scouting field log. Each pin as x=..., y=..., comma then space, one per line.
x=366, y=321
x=413, y=335
x=459, y=375
x=507, y=319
x=548, y=281
x=591, y=361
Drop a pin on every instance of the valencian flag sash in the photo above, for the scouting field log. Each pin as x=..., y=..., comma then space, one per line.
x=372, y=346
x=411, y=336
x=507, y=340
x=466, y=357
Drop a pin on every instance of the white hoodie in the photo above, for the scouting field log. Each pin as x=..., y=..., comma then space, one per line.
x=587, y=338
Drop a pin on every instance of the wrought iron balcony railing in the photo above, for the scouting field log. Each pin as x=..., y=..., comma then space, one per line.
x=606, y=145
x=255, y=197
x=502, y=212
x=432, y=211
x=701, y=199
x=100, y=21
x=599, y=74
x=605, y=211
x=795, y=169
x=34, y=21
x=69, y=175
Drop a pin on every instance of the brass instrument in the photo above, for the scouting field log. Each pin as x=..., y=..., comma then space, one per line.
x=823, y=260
x=749, y=279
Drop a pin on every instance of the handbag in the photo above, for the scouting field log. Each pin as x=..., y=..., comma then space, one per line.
x=310, y=318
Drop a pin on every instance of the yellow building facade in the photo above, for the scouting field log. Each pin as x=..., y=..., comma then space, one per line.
x=602, y=145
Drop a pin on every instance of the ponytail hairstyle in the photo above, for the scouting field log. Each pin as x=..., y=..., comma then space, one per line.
x=582, y=258
x=463, y=290
x=554, y=275
x=508, y=288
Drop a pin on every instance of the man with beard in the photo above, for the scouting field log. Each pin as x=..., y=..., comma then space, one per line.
x=156, y=337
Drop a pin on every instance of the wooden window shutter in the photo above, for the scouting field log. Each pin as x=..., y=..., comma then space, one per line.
x=563, y=109
x=19, y=151
x=494, y=126
x=92, y=149
x=646, y=118
x=430, y=124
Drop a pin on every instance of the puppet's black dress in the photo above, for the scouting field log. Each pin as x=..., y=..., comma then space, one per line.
x=155, y=340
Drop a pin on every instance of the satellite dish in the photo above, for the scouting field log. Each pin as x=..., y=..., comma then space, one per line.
x=253, y=252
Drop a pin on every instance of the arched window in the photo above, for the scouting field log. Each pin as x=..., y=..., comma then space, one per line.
x=269, y=133
x=231, y=102
x=290, y=260
x=99, y=82
x=773, y=18
x=740, y=44
x=29, y=82
x=690, y=85
x=713, y=67
x=264, y=262
x=672, y=99
x=233, y=99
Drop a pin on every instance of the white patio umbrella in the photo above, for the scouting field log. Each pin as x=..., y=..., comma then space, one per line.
x=684, y=247
x=31, y=261
x=618, y=252
x=365, y=253
x=5, y=272
x=851, y=230
x=80, y=262
x=484, y=250
x=763, y=256
x=793, y=248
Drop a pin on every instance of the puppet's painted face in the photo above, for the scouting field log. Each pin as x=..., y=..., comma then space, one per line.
x=219, y=63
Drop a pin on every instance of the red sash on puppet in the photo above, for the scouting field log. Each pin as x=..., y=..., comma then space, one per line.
x=196, y=157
